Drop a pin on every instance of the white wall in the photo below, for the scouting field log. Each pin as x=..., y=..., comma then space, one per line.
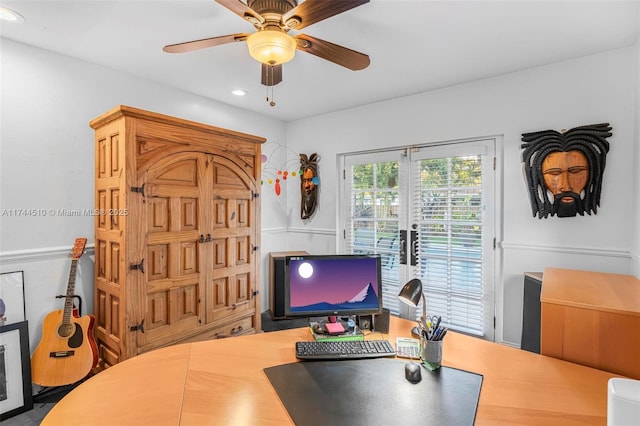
x=587, y=90
x=47, y=161
x=636, y=168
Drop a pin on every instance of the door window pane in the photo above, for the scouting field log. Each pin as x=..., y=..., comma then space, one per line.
x=373, y=220
x=450, y=258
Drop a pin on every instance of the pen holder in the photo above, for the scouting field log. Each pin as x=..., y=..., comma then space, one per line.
x=431, y=353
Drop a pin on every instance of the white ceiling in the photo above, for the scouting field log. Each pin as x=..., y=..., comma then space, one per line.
x=414, y=46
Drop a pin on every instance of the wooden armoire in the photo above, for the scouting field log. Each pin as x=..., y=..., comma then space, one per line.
x=177, y=232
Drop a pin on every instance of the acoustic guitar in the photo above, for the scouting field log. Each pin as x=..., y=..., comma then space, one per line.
x=67, y=351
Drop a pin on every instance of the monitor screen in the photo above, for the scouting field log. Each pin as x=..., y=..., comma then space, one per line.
x=318, y=285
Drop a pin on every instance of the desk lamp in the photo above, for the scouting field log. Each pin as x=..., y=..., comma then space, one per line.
x=410, y=294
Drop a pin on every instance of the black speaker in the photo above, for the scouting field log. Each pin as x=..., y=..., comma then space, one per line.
x=365, y=322
x=381, y=321
x=276, y=282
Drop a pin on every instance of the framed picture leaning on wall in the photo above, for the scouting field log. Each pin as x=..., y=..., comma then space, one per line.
x=12, y=307
x=15, y=370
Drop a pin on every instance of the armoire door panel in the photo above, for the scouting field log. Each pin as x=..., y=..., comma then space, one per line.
x=114, y=261
x=101, y=201
x=101, y=317
x=223, y=176
x=158, y=256
x=115, y=210
x=101, y=259
x=242, y=214
x=188, y=258
x=217, y=300
x=114, y=143
x=188, y=302
x=219, y=209
x=243, y=250
x=158, y=214
x=243, y=288
x=188, y=214
x=182, y=173
x=102, y=148
x=158, y=312
x=219, y=255
x=113, y=323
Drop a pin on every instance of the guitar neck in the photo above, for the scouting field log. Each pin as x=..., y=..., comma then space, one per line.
x=71, y=285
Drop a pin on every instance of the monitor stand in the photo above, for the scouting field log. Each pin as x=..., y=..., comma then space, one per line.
x=332, y=325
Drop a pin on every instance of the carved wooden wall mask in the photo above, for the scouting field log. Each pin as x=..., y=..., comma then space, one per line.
x=309, y=181
x=564, y=170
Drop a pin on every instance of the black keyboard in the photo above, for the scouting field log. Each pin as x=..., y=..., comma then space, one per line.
x=344, y=349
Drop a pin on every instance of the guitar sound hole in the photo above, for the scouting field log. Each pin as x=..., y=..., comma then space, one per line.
x=65, y=330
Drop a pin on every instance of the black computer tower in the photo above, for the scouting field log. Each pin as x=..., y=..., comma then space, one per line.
x=276, y=282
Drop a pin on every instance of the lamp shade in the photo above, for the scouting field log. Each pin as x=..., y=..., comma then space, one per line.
x=272, y=47
x=411, y=292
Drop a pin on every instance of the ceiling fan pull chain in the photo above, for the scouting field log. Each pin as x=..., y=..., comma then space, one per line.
x=270, y=78
x=273, y=102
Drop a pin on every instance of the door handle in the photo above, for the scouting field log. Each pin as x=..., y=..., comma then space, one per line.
x=403, y=246
x=414, y=248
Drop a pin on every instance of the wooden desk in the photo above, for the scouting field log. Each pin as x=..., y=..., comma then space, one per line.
x=221, y=382
x=592, y=318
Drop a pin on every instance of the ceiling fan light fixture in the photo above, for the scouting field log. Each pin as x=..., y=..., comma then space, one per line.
x=271, y=47
x=10, y=15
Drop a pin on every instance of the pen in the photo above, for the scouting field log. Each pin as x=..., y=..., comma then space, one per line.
x=436, y=335
x=444, y=331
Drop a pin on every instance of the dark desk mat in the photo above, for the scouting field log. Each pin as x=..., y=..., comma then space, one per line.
x=374, y=392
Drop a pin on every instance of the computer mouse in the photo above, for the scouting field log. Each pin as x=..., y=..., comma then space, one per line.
x=412, y=372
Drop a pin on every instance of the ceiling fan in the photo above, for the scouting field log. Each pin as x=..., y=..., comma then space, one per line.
x=272, y=45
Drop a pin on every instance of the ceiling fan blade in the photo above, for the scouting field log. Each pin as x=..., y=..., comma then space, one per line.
x=312, y=11
x=332, y=52
x=242, y=10
x=271, y=74
x=189, y=46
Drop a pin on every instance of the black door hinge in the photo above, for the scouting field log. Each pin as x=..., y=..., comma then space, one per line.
x=137, y=266
x=255, y=195
x=138, y=189
x=137, y=327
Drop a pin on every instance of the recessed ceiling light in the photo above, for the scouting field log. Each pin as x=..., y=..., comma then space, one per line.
x=239, y=92
x=10, y=16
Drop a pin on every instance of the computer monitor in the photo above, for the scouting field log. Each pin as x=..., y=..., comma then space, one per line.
x=332, y=285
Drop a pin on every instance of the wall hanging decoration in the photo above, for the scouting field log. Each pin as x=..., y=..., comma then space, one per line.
x=309, y=182
x=273, y=175
x=564, y=170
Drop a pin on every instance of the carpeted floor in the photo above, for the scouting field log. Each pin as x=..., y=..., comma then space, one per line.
x=42, y=403
x=45, y=401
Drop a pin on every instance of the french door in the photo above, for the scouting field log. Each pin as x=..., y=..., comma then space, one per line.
x=429, y=212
